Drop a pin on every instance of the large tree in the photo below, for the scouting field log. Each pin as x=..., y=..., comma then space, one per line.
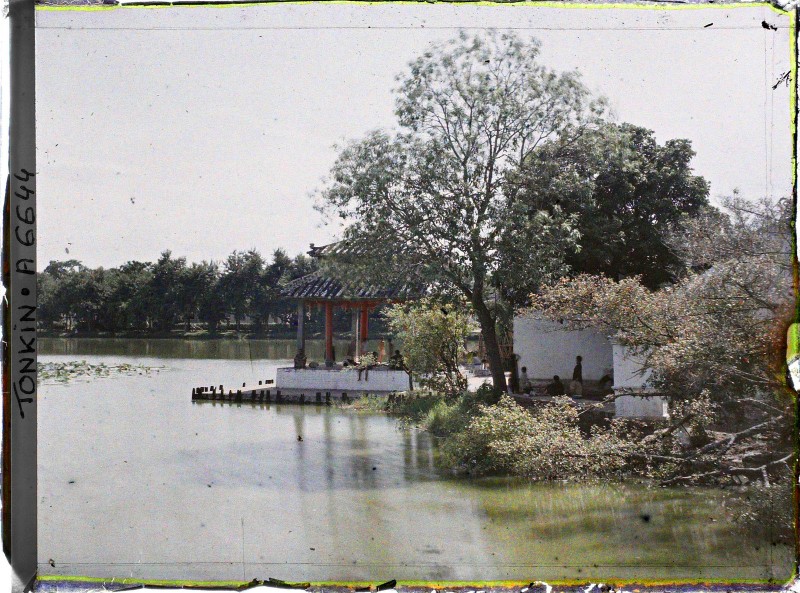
x=242, y=282
x=166, y=291
x=626, y=190
x=430, y=204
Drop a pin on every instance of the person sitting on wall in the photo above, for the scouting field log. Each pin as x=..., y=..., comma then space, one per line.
x=525, y=385
x=300, y=359
x=367, y=362
x=606, y=384
x=556, y=387
x=381, y=353
x=477, y=365
x=396, y=362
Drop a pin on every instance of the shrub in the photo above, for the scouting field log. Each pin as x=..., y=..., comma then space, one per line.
x=547, y=444
x=433, y=336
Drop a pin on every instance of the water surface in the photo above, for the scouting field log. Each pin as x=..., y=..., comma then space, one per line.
x=136, y=480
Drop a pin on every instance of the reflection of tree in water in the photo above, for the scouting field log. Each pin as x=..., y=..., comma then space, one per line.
x=360, y=459
x=327, y=431
x=299, y=428
x=424, y=451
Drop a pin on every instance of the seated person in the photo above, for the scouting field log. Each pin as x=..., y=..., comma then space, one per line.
x=396, y=362
x=556, y=387
x=525, y=385
x=477, y=365
x=300, y=359
x=606, y=384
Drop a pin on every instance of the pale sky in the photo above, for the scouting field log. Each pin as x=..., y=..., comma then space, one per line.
x=204, y=130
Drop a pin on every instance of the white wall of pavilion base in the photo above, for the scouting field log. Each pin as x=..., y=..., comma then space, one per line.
x=373, y=381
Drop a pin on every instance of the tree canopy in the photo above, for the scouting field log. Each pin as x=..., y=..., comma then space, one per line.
x=156, y=296
x=626, y=192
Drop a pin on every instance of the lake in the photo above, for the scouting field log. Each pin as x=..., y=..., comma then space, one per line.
x=136, y=480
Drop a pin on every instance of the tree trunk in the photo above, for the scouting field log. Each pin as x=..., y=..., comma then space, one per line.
x=492, y=345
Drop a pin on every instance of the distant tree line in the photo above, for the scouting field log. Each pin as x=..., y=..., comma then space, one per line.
x=169, y=294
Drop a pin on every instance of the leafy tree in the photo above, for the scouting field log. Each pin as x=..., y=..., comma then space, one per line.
x=286, y=269
x=241, y=282
x=166, y=291
x=143, y=296
x=626, y=191
x=56, y=298
x=87, y=292
x=431, y=205
x=211, y=306
x=267, y=300
x=545, y=444
x=434, y=339
x=197, y=281
x=136, y=298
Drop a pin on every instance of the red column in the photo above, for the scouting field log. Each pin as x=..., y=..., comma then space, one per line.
x=364, y=326
x=328, y=331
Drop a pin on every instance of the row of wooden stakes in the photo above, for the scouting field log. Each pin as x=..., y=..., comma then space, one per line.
x=261, y=395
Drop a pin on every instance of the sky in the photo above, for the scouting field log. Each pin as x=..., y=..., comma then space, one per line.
x=205, y=130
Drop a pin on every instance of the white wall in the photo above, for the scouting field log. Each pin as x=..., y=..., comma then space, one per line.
x=341, y=380
x=631, y=374
x=547, y=349
x=629, y=371
x=637, y=406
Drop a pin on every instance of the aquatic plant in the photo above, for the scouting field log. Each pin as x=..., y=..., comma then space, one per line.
x=65, y=372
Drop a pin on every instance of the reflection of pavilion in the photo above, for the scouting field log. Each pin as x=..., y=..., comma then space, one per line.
x=318, y=290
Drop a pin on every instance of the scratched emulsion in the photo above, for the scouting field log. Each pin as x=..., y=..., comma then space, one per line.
x=136, y=480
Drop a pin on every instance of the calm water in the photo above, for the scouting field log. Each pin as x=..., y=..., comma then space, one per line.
x=136, y=480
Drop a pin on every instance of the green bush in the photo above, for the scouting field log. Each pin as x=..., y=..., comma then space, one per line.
x=546, y=444
x=413, y=406
x=444, y=419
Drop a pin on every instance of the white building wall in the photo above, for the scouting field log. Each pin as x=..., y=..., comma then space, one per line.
x=629, y=370
x=631, y=374
x=548, y=349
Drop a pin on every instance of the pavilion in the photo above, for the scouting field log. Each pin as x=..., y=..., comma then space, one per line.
x=318, y=290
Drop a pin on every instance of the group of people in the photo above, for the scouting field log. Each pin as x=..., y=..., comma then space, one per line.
x=395, y=362
x=556, y=386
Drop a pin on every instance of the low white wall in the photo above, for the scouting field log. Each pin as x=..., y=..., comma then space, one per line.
x=640, y=406
x=341, y=380
x=630, y=373
x=629, y=369
x=548, y=349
